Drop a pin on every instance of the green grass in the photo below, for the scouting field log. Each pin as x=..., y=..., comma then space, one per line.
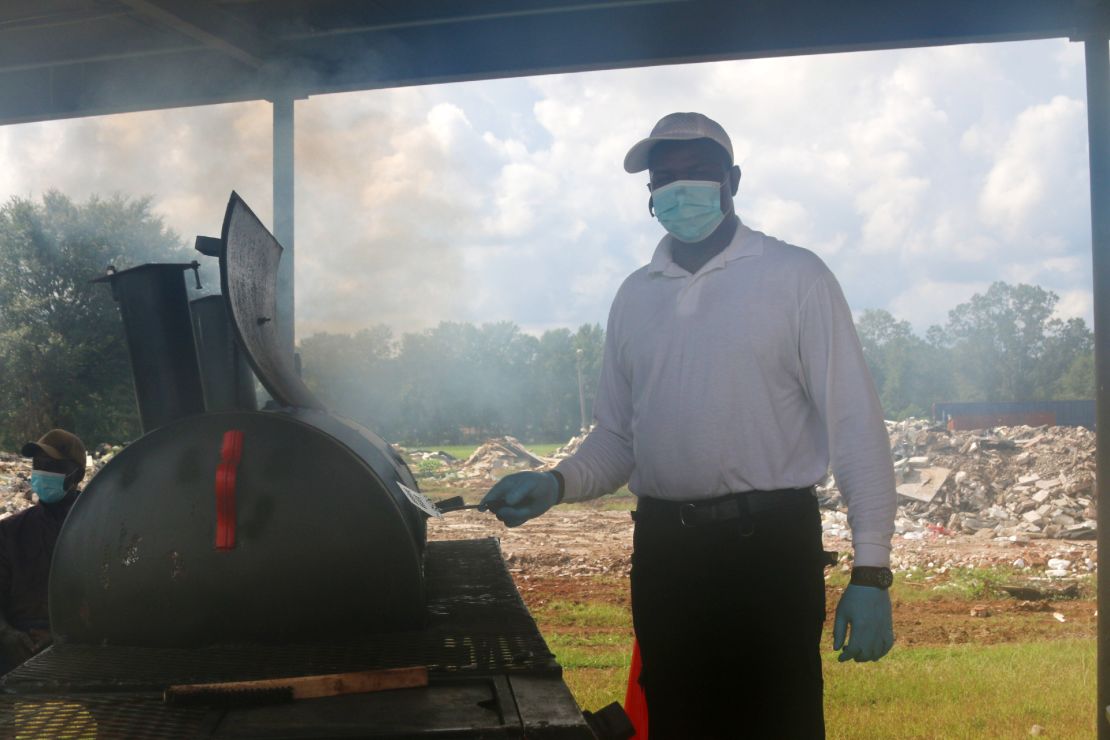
x=970, y=584
x=961, y=691
x=593, y=614
x=975, y=583
x=593, y=642
x=965, y=691
x=972, y=692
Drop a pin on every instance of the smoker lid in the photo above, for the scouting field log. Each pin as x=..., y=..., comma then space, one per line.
x=248, y=278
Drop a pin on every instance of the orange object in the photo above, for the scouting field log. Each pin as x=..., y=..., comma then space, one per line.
x=635, y=704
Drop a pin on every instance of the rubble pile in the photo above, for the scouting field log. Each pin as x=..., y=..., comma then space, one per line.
x=15, y=486
x=571, y=446
x=419, y=456
x=493, y=459
x=498, y=455
x=1007, y=482
x=433, y=463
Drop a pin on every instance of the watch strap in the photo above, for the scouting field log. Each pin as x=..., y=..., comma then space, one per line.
x=562, y=485
x=873, y=576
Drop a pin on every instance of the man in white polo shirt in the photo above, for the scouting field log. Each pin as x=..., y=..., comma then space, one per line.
x=732, y=377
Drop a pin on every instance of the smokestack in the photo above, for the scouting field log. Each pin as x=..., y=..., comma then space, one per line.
x=159, y=333
x=224, y=371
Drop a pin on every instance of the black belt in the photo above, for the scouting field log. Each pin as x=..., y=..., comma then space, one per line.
x=731, y=506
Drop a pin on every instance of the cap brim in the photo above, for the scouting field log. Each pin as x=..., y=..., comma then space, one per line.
x=33, y=449
x=637, y=158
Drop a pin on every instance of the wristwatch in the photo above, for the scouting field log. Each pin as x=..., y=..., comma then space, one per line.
x=869, y=575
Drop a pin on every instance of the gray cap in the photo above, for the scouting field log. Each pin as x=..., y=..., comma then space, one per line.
x=677, y=127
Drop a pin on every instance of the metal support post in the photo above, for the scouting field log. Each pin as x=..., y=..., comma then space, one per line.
x=1098, y=132
x=581, y=392
x=283, y=216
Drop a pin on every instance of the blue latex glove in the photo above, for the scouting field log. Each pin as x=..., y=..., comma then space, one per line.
x=867, y=610
x=521, y=496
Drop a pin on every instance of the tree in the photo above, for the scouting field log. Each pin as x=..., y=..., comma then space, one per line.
x=877, y=330
x=1078, y=381
x=62, y=351
x=1007, y=346
x=456, y=382
x=910, y=373
x=354, y=374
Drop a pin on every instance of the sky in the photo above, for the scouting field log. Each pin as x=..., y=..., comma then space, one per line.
x=920, y=176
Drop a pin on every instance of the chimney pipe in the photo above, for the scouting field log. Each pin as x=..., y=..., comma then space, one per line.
x=224, y=370
x=159, y=333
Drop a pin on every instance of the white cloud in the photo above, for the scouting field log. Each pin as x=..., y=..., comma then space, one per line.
x=1075, y=304
x=786, y=219
x=926, y=303
x=1042, y=160
x=921, y=176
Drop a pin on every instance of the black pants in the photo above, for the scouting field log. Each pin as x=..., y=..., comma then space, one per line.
x=728, y=616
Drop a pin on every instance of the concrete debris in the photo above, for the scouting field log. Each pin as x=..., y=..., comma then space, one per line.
x=15, y=486
x=571, y=446
x=491, y=461
x=504, y=452
x=1008, y=482
x=420, y=455
x=1033, y=591
x=920, y=484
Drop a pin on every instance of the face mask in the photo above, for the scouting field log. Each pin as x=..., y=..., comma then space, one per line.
x=50, y=487
x=689, y=209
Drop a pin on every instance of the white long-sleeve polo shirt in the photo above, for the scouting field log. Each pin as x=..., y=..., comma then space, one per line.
x=747, y=375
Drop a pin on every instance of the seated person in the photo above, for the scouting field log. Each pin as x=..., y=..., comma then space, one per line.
x=27, y=545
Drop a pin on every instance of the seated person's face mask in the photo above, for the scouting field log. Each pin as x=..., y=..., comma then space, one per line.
x=49, y=487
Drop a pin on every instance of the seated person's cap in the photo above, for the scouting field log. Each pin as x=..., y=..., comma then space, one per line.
x=59, y=445
x=677, y=127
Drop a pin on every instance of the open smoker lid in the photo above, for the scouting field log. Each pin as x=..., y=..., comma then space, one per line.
x=249, y=258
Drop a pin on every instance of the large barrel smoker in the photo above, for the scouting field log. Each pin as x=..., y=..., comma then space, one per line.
x=230, y=543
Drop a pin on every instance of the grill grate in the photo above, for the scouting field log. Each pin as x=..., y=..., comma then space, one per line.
x=477, y=625
x=100, y=716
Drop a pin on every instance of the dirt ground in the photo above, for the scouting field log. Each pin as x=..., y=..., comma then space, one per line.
x=583, y=555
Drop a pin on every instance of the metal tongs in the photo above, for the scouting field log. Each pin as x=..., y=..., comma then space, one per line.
x=456, y=503
x=438, y=508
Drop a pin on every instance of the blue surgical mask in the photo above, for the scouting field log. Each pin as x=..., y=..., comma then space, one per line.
x=689, y=209
x=50, y=487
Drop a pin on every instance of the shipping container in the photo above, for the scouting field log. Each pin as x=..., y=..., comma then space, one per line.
x=984, y=414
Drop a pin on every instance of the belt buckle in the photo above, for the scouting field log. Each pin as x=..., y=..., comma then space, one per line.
x=682, y=512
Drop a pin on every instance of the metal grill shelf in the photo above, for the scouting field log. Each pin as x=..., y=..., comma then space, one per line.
x=477, y=630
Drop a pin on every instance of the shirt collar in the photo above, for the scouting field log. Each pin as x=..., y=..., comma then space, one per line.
x=745, y=243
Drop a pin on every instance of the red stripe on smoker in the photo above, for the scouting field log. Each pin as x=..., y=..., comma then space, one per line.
x=231, y=452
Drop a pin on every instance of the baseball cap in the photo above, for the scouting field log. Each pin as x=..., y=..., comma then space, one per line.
x=60, y=445
x=677, y=127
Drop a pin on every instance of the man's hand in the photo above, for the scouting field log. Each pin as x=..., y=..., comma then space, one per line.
x=867, y=610
x=521, y=496
x=16, y=644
